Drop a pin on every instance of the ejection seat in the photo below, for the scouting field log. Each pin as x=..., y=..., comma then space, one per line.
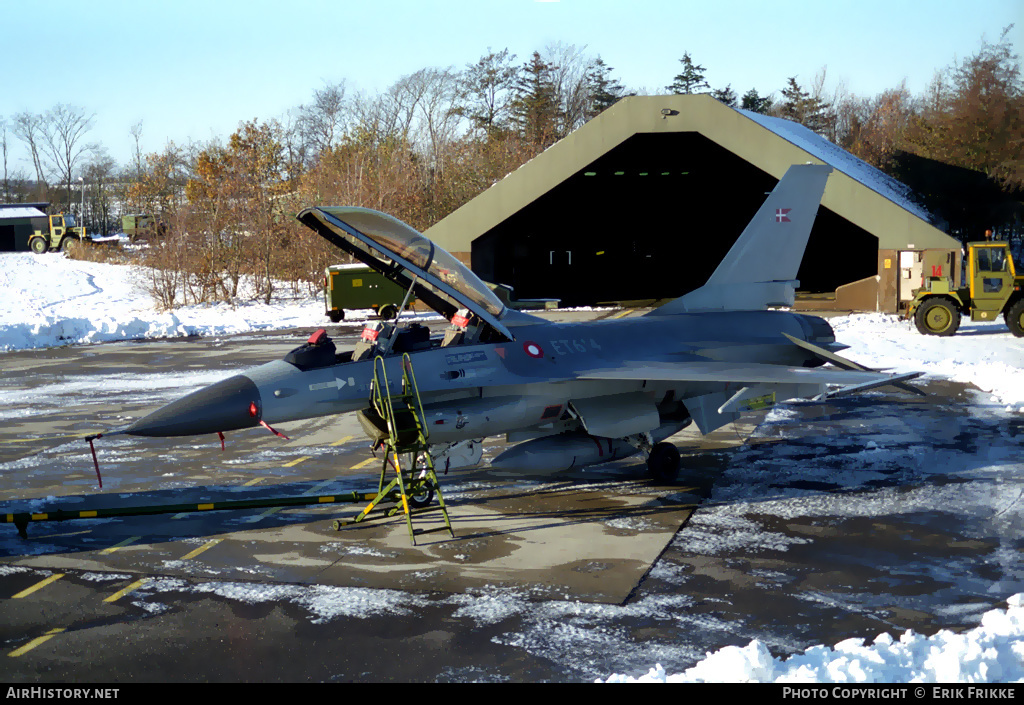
x=464, y=330
x=373, y=334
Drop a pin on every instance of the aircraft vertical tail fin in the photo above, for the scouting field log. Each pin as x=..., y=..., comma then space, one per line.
x=760, y=269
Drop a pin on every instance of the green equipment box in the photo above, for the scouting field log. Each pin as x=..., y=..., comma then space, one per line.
x=356, y=286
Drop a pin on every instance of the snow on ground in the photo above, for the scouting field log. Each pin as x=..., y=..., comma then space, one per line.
x=984, y=354
x=50, y=300
x=992, y=652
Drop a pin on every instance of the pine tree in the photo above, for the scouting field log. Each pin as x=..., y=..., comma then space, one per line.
x=794, y=101
x=725, y=95
x=605, y=91
x=753, y=102
x=535, y=109
x=691, y=80
x=800, y=106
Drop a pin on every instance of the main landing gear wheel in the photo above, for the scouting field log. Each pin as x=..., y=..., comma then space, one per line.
x=1015, y=319
x=38, y=245
x=423, y=497
x=663, y=462
x=937, y=316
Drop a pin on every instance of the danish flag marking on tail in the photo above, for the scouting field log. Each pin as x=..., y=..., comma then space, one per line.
x=782, y=215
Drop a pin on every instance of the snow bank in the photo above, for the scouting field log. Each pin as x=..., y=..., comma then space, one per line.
x=50, y=300
x=984, y=354
x=990, y=653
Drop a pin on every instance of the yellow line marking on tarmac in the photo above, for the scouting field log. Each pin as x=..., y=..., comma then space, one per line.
x=36, y=642
x=363, y=463
x=296, y=461
x=271, y=510
x=319, y=487
x=205, y=547
x=38, y=586
x=67, y=533
x=252, y=482
x=124, y=543
x=343, y=441
x=131, y=588
x=622, y=314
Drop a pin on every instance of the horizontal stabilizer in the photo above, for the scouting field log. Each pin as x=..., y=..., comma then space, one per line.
x=829, y=356
x=895, y=381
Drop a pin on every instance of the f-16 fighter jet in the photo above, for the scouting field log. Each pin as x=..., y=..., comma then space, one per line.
x=567, y=394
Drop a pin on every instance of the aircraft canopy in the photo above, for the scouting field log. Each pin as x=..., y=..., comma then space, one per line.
x=401, y=253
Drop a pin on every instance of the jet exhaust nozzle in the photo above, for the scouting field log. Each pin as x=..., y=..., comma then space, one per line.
x=228, y=405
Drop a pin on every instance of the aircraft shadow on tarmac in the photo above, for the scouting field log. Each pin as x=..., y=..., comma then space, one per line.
x=854, y=445
x=846, y=445
x=515, y=500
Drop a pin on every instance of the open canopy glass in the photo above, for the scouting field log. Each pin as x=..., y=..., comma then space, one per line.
x=401, y=253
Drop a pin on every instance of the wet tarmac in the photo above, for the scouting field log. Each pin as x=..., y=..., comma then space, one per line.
x=810, y=525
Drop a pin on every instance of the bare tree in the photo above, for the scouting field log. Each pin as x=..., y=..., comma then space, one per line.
x=437, y=123
x=3, y=144
x=323, y=122
x=828, y=120
x=487, y=91
x=875, y=129
x=29, y=129
x=570, y=74
x=297, y=148
x=136, y=133
x=99, y=173
x=63, y=129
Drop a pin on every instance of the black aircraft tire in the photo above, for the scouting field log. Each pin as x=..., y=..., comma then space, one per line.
x=937, y=316
x=663, y=462
x=1015, y=319
x=421, y=500
x=38, y=245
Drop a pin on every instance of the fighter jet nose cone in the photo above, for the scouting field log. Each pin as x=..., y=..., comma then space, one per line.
x=228, y=405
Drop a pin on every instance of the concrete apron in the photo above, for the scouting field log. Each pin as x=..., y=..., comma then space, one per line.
x=589, y=535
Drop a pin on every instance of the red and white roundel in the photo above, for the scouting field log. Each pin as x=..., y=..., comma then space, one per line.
x=532, y=349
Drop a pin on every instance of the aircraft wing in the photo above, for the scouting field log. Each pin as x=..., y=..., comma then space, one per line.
x=750, y=384
x=740, y=372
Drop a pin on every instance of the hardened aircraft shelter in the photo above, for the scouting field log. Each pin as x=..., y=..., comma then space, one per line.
x=644, y=200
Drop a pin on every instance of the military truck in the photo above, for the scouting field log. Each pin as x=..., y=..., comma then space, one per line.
x=62, y=234
x=141, y=226
x=354, y=286
x=994, y=287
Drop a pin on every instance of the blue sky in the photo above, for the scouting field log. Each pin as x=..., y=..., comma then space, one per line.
x=193, y=69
